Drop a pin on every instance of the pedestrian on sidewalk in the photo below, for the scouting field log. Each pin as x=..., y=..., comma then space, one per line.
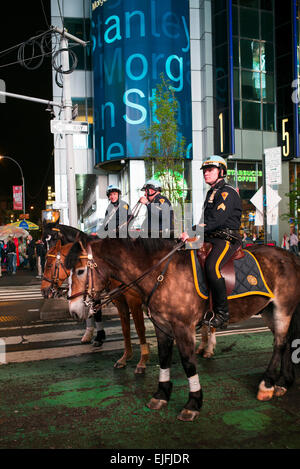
x=11, y=256
x=41, y=257
x=1, y=249
x=293, y=242
x=31, y=252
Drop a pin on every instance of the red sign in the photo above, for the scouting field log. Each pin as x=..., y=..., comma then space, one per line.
x=18, y=197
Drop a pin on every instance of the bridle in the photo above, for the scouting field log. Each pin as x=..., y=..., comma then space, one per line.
x=54, y=280
x=89, y=291
x=103, y=299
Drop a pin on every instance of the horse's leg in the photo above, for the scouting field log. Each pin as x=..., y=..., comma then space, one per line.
x=185, y=341
x=123, y=311
x=138, y=318
x=165, y=348
x=280, y=325
x=208, y=342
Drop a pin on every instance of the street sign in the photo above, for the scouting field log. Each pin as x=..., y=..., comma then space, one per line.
x=69, y=127
x=273, y=165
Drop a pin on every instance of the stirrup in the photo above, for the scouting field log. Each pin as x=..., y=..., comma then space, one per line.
x=215, y=321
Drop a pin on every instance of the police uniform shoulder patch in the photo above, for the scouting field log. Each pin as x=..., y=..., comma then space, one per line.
x=221, y=206
x=162, y=201
x=125, y=206
x=224, y=195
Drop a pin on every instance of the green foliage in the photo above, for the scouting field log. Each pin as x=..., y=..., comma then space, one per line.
x=294, y=204
x=165, y=146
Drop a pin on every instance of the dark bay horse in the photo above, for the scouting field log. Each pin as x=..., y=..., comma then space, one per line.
x=55, y=273
x=176, y=308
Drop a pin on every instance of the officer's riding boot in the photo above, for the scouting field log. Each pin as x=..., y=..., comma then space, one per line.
x=220, y=315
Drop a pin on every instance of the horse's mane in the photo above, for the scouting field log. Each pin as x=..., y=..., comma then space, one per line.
x=65, y=233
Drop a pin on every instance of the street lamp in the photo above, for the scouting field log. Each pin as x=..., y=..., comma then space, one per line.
x=23, y=181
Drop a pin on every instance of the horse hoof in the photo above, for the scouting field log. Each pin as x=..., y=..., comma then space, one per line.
x=207, y=354
x=279, y=391
x=187, y=415
x=264, y=393
x=156, y=404
x=140, y=370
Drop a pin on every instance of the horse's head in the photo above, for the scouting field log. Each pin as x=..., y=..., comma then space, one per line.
x=55, y=272
x=87, y=279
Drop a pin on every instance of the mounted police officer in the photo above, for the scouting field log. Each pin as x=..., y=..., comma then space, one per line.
x=222, y=219
x=159, y=222
x=117, y=215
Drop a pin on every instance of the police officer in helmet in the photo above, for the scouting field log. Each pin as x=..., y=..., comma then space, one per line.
x=222, y=220
x=117, y=214
x=159, y=222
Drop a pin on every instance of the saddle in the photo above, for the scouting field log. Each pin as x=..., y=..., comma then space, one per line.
x=228, y=270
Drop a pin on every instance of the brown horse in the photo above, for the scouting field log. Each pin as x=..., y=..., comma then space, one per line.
x=55, y=273
x=176, y=308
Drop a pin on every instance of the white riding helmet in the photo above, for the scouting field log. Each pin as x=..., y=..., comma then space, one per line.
x=112, y=188
x=217, y=161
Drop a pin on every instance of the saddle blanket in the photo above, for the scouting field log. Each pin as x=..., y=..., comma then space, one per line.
x=249, y=279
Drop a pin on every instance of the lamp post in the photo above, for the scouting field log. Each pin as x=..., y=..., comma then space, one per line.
x=23, y=181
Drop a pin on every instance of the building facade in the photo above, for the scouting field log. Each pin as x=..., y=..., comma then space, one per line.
x=234, y=77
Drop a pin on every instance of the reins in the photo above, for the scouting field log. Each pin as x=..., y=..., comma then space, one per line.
x=126, y=286
x=110, y=296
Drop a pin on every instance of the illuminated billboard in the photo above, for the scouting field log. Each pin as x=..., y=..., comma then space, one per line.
x=133, y=42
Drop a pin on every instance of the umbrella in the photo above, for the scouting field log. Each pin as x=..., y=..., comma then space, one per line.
x=26, y=224
x=14, y=231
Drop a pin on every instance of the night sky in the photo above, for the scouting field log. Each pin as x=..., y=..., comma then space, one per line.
x=25, y=126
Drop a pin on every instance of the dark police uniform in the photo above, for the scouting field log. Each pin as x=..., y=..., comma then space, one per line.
x=116, y=219
x=159, y=222
x=222, y=218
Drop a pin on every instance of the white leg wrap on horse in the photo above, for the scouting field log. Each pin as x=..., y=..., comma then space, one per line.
x=90, y=322
x=194, y=383
x=164, y=375
x=99, y=326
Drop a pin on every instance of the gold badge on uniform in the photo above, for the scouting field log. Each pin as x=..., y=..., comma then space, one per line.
x=125, y=206
x=224, y=195
x=161, y=201
x=222, y=206
x=252, y=280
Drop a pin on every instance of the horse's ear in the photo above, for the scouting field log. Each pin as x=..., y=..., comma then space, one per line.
x=81, y=245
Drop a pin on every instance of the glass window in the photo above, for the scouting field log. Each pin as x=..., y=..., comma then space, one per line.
x=268, y=91
x=235, y=45
x=250, y=54
x=269, y=117
x=249, y=23
x=249, y=3
x=251, y=115
x=237, y=114
x=266, y=5
x=251, y=85
x=236, y=83
x=80, y=28
x=253, y=59
x=267, y=26
x=268, y=54
x=235, y=21
x=220, y=29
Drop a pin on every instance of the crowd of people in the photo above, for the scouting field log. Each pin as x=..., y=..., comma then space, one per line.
x=22, y=253
x=291, y=242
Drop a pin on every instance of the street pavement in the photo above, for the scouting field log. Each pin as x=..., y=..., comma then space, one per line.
x=56, y=393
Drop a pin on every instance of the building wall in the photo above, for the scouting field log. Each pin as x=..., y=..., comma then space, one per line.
x=249, y=144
